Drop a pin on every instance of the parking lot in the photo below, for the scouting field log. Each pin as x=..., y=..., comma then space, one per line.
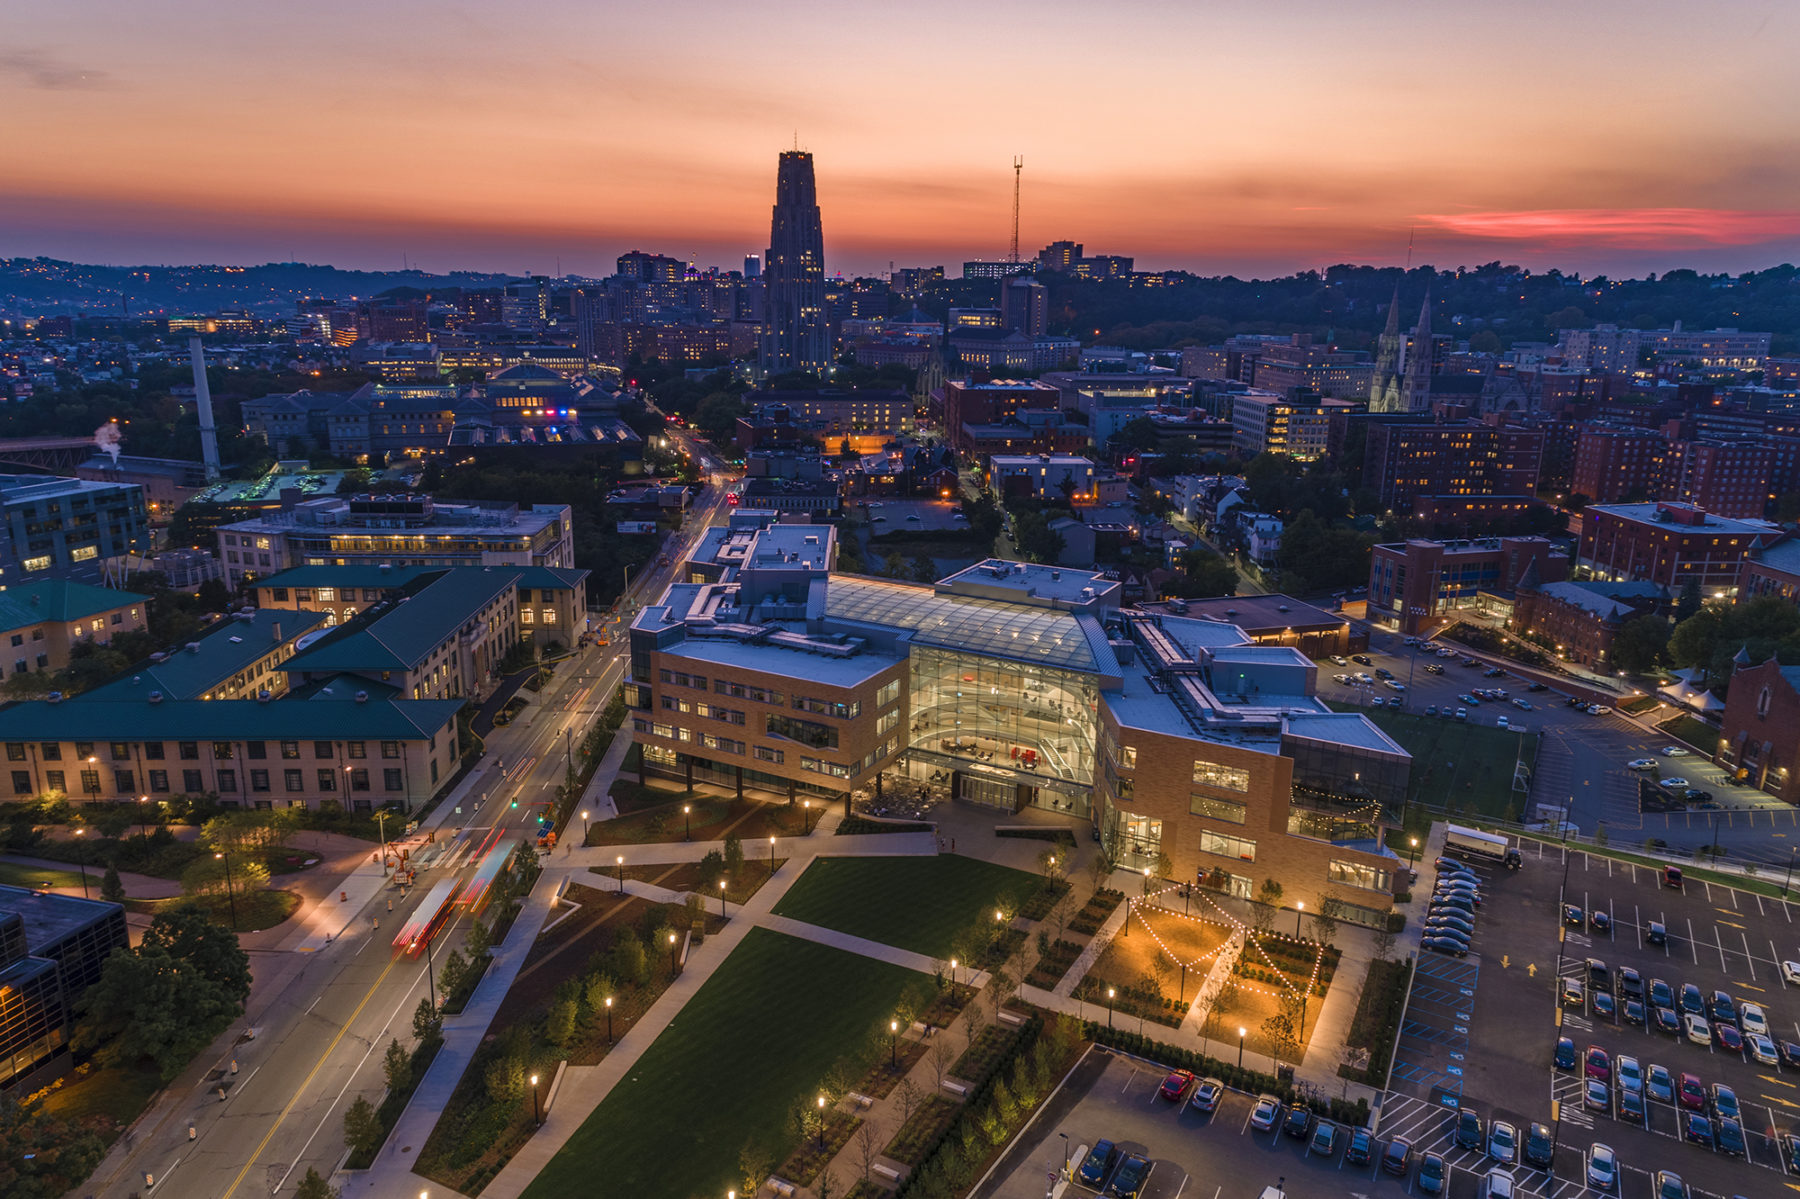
x=1717, y=938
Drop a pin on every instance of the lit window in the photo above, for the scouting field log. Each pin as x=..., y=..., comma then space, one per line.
x=1228, y=778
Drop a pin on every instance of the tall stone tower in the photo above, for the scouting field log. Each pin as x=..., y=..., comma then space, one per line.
x=795, y=335
x=1384, y=386
x=1415, y=386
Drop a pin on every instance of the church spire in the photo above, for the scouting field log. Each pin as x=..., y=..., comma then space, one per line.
x=1383, y=385
x=1415, y=390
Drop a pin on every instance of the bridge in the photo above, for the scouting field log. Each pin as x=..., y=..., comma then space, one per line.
x=62, y=454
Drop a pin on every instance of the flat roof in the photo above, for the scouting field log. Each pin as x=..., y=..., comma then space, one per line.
x=1343, y=728
x=1263, y=613
x=1646, y=514
x=1027, y=580
x=1022, y=632
x=795, y=665
x=50, y=917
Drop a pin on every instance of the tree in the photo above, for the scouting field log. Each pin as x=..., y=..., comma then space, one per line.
x=924, y=570
x=894, y=565
x=455, y=971
x=1280, y=1031
x=559, y=1029
x=504, y=1079
x=1689, y=601
x=941, y=1055
x=867, y=1147
x=397, y=1065
x=1639, y=643
x=479, y=939
x=598, y=989
x=314, y=1186
x=1204, y=575
x=754, y=1165
x=362, y=1127
x=629, y=961
x=428, y=1026
x=1035, y=539
x=111, y=889
x=734, y=853
x=216, y=879
x=1384, y=943
x=1325, y=920
x=1269, y=893
x=907, y=1097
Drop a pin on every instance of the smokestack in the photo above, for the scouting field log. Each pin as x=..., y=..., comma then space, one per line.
x=209, y=436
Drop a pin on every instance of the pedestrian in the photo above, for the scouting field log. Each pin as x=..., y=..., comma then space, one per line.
x=953, y=845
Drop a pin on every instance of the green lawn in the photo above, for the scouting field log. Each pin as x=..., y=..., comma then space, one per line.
x=1455, y=763
x=15, y=875
x=1703, y=737
x=750, y=1046
x=915, y=903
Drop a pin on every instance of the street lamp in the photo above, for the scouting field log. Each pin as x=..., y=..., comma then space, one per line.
x=1109, y=1007
x=1413, y=860
x=91, y=779
x=621, y=874
x=586, y=829
x=721, y=899
x=771, y=857
x=230, y=895
x=953, y=980
x=821, y=1121
x=536, y=1113
x=381, y=826
x=671, y=953
x=1146, y=882
x=1299, y=910
x=1790, y=871
x=81, y=861
x=1242, y=1033
x=806, y=817
x=609, y=1036
x=1066, y=1162
x=144, y=815
x=687, y=822
x=893, y=1035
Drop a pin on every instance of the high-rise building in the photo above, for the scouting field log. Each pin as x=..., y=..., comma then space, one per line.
x=795, y=336
x=753, y=266
x=1025, y=306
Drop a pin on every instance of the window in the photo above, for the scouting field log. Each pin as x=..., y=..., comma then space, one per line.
x=188, y=751
x=1356, y=874
x=1240, y=848
x=889, y=692
x=886, y=721
x=256, y=751
x=15, y=751
x=359, y=779
x=390, y=749
x=806, y=732
x=356, y=749
x=390, y=778
x=327, y=779
x=21, y=782
x=291, y=780
x=259, y=780
x=124, y=781
x=290, y=750
x=1127, y=757
x=1218, y=809
x=53, y=780
x=84, y=749
x=819, y=766
x=153, y=751
x=50, y=751
x=192, y=782
x=328, y=595
x=120, y=752
x=90, y=782
x=1227, y=778
x=322, y=751
x=227, y=779
x=765, y=754
x=224, y=751
x=278, y=594
x=159, y=781
x=525, y=618
x=722, y=744
x=823, y=707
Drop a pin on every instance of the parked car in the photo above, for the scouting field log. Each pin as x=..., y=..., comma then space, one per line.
x=1631, y=983
x=1674, y=784
x=1762, y=1049
x=1264, y=1115
x=1667, y=1021
x=1730, y=1137
x=1573, y=993
x=1176, y=1084
x=1633, y=1012
x=1503, y=1142
x=1596, y=1096
x=1602, y=1003
x=1207, y=1094
x=1599, y=921
x=1573, y=915
x=1446, y=945
x=1699, y=1032
x=1790, y=973
x=1128, y=1181
x=1659, y=1084
x=1698, y=1130
x=1657, y=933
x=1397, y=1157
x=1433, y=1174
x=1668, y=1185
x=1298, y=1122
x=1097, y=1164
x=1691, y=1094
x=1539, y=1148
x=1602, y=1167
x=1631, y=1075
x=1324, y=1139
x=1360, y=1147
x=1597, y=1064
x=1631, y=1106
x=1637, y=763
x=1564, y=1056
x=1673, y=751
x=1752, y=1020
x=1790, y=1054
x=1691, y=1002
x=1727, y=1037
x=1468, y=1129
x=1724, y=1101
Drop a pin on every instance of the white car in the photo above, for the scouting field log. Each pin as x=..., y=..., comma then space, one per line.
x=1629, y=1073
x=1266, y=1112
x=1673, y=751
x=1639, y=763
x=1341, y=678
x=1698, y=1030
x=1446, y=652
x=1394, y=685
x=1752, y=1020
x=1497, y=1185
x=1503, y=1142
x=1600, y=710
x=1339, y=660
x=1790, y=972
x=1675, y=784
x=1602, y=1167
x=1762, y=1049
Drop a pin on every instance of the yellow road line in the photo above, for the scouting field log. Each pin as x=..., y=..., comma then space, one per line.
x=301, y=1090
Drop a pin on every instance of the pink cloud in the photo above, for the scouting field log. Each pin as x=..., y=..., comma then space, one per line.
x=1634, y=228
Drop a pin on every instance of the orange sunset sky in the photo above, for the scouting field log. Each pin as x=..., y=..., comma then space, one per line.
x=1250, y=138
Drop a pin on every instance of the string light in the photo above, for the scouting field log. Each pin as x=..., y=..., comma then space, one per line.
x=1252, y=940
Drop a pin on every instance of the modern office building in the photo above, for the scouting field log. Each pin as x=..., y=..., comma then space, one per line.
x=399, y=530
x=1274, y=424
x=1007, y=686
x=43, y=620
x=1669, y=543
x=795, y=336
x=52, y=949
x=72, y=528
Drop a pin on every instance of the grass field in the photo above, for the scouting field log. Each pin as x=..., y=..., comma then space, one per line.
x=880, y=898
x=751, y=1044
x=1454, y=763
x=13, y=874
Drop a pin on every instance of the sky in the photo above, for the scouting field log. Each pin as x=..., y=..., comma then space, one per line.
x=1253, y=138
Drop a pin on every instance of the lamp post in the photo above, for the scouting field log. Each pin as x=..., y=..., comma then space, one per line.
x=81, y=862
x=90, y=779
x=144, y=815
x=1109, y=1007
x=1790, y=871
x=621, y=862
x=1299, y=910
x=672, y=962
x=586, y=828
x=230, y=895
x=721, y=899
x=953, y=980
x=771, y=857
x=430, y=969
x=381, y=827
x=1146, y=882
x=821, y=1121
x=806, y=817
x=893, y=1038
x=1242, y=1033
x=1065, y=1141
x=609, y=1036
x=536, y=1113
x=687, y=822
x=1413, y=859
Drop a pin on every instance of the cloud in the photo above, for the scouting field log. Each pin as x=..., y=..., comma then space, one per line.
x=43, y=70
x=1633, y=228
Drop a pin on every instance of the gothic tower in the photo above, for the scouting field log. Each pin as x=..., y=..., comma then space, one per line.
x=795, y=335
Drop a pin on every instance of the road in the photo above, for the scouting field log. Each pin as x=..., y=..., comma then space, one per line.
x=320, y=1039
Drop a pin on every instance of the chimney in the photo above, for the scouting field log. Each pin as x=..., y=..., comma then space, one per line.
x=277, y=632
x=209, y=436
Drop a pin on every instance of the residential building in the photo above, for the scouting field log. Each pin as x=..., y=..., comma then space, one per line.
x=1772, y=569
x=961, y=403
x=1406, y=459
x=549, y=604
x=402, y=530
x=1605, y=347
x=1579, y=620
x=1617, y=463
x=1043, y=476
x=1413, y=584
x=865, y=419
x=52, y=949
x=1025, y=306
x=1008, y=686
x=1267, y=423
x=1668, y=543
x=1010, y=350
x=73, y=528
x=43, y=620
x=240, y=657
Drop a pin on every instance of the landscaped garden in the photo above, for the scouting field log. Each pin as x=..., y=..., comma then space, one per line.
x=705, y=818
x=925, y=904
x=748, y=1052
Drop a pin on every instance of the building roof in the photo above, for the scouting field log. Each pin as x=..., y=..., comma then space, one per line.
x=1605, y=600
x=230, y=720
x=1343, y=728
x=1024, y=633
x=1029, y=582
x=1714, y=523
x=403, y=634
x=1263, y=613
x=355, y=575
x=60, y=600
x=194, y=670
x=49, y=917
x=1783, y=555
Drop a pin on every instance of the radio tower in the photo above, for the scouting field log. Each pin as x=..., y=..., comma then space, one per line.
x=1018, y=168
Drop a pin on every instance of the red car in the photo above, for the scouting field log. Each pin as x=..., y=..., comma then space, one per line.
x=1726, y=1036
x=1176, y=1085
x=1693, y=1095
x=1598, y=1064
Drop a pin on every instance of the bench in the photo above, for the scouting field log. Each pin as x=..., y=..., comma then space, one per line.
x=887, y=1172
x=956, y=1087
x=782, y=1187
x=1007, y=1017
x=860, y=1099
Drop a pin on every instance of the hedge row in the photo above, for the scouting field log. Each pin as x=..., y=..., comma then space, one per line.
x=974, y=1104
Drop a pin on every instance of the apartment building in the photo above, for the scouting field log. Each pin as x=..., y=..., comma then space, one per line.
x=43, y=620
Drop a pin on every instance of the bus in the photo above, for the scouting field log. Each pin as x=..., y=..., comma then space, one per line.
x=480, y=889
x=428, y=919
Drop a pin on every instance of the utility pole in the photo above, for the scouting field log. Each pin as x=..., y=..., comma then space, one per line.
x=1018, y=169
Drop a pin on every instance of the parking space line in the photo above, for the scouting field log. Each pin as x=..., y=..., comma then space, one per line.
x=1747, y=957
x=1723, y=968
x=1693, y=944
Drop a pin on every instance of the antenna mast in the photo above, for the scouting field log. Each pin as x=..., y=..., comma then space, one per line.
x=1018, y=167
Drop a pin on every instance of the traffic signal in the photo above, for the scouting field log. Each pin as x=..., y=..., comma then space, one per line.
x=515, y=803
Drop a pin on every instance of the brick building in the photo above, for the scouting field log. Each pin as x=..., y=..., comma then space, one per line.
x=1413, y=583
x=1613, y=464
x=1668, y=543
x=1759, y=738
x=1581, y=619
x=963, y=402
x=1407, y=459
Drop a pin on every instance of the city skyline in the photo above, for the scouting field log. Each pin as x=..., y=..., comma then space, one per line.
x=1213, y=140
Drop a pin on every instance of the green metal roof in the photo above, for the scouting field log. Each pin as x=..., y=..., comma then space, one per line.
x=230, y=647
x=228, y=720
x=400, y=636
x=345, y=576
x=59, y=600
